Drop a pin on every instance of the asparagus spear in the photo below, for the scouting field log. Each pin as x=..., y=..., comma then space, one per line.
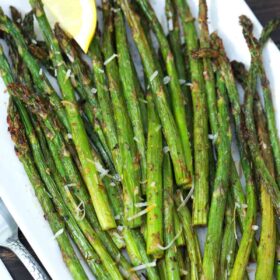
x=180, y=241
x=268, y=103
x=87, y=92
x=211, y=258
x=185, y=264
x=170, y=257
x=61, y=146
x=200, y=134
x=261, y=168
x=83, y=223
x=134, y=244
x=265, y=258
x=107, y=119
x=130, y=89
x=277, y=265
x=130, y=167
x=266, y=150
x=16, y=15
x=167, y=121
x=154, y=188
x=267, y=243
x=162, y=269
x=135, y=241
x=70, y=172
x=208, y=72
x=177, y=99
x=190, y=237
x=76, y=233
x=94, y=184
x=56, y=223
x=26, y=26
x=229, y=242
x=221, y=129
x=174, y=36
x=248, y=233
x=141, y=96
x=79, y=239
x=242, y=77
x=37, y=74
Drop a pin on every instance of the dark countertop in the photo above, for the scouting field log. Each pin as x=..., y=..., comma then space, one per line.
x=264, y=10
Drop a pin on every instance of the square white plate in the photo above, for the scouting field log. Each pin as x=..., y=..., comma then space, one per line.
x=15, y=189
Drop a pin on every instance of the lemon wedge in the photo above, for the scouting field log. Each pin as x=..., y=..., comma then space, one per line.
x=77, y=17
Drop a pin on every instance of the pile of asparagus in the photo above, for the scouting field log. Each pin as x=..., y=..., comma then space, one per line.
x=138, y=157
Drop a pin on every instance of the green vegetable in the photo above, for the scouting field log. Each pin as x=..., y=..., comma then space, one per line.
x=94, y=184
x=200, y=118
x=177, y=99
x=130, y=89
x=167, y=121
x=154, y=188
x=171, y=258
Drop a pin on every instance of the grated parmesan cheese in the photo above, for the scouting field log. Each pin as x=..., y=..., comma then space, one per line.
x=68, y=74
x=115, y=10
x=255, y=227
x=141, y=213
x=141, y=204
x=165, y=149
x=70, y=57
x=81, y=211
x=171, y=242
x=93, y=90
x=135, y=139
x=166, y=80
x=185, y=201
x=108, y=60
x=58, y=233
x=69, y=185
x=170, y=24
x=144, y=266
x=154, y=75
x=120, y=228
x=153, y=184
x=103, y=172
x=213, y=137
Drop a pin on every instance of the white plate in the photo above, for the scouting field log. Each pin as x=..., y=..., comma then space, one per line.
x=15, y=188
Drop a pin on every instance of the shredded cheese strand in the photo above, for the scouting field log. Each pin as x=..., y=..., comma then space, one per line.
x=81, y=213
x=213, y=137
x=234, y=220
x=141, y=204
x=144, y=266
x=67, y=186
x=108, y=60
x=166, y=80
x=185, y=201
x=141, y=213
x=171, y=242
x=58, y=233
x=154, y=75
